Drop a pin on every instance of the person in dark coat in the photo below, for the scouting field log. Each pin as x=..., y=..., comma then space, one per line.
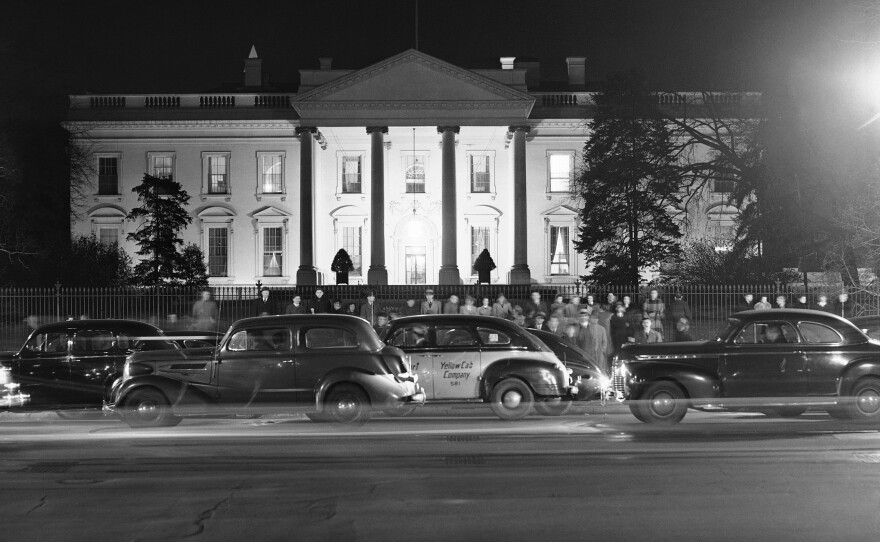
x=781, y=302
x=410, y=309
x=352, y=309
x=683, y=331
x=370, y=310
x=677, y=310
x=539, y=322
x=430, y=305
x=337, y=307
x=296, y=306
x=319, y=304
x=621, y=330
x=533, y=306
x=746, y=303
x=844, y=307
x=264, y=305
x=823, y=304
x=801, y=302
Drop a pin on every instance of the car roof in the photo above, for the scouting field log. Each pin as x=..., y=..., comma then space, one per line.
x=784, y=314
x=92, y=323
x=451, y=318
x=299, y=318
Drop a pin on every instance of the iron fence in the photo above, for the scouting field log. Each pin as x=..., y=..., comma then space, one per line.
x=170, y=308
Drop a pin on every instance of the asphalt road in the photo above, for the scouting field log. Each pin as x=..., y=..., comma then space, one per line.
x=594, y=475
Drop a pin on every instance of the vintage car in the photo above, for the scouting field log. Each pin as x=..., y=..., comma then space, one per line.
x=70, y=364
x=333, y=367
x=194, y=339
x=781, y=360
x=592, y=382
x=463, y=358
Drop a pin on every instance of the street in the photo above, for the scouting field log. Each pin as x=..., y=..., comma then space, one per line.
x=594, y=474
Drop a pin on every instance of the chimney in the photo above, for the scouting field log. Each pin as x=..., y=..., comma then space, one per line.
x=507, y=62
x=533, y=72
x=325, y=63
x=577, y=72
x=253, y=69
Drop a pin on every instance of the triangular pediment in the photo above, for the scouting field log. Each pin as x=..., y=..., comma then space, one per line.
x=413, y=88
x=561, y=210
x=270, y=212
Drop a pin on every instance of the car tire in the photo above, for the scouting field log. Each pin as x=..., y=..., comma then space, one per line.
x=662, y=403
x=553, y=407
x=348, y=404
x=634, y=408
x=148, y=407
x=511, y=399
x=863, y=401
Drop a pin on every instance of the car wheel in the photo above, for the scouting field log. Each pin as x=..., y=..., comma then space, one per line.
x=148, y=407
x=553, y=407
x=348, y=404
x=512, y=399
x=863, y=402
x=789, y=411
x=634, y=408
x=318, y=417
x=402, y=411
x=663, y=403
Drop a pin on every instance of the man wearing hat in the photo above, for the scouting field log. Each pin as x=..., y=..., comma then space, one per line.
x=264, y=305
x=369, y=310
x=430, y=305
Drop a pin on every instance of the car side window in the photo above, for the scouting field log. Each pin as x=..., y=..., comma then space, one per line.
x=817, y=333
x=47, y=343
x=92, y=340
x=260, y=339
x=324, y=337
x=492, y=337
x=767, y=333
x=415, y=336
x=454, y=336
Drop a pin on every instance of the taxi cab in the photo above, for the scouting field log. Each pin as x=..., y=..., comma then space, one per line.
x=462, y=358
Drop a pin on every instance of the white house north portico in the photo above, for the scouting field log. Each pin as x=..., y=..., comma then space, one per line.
x=413, y=165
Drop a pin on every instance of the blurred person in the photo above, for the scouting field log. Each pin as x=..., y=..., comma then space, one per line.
x=763, y=304
x=822, y=304
x=369, y=310
x=683, y=330
x=572, y=311
x=539, y=322
x=678, y=309
x=337, y=307
x=430, y=305
x=501, y=308
x=844, y=307
x=382, y=320
x=352, y=309
x=746, y=303
x=319, y=304
x=553, y=325
x=801, y=302
x=452, y=305
x=620, y=327
x=485, y=309
x=631, y=311
x=645, y=334
x=519, y=319
x=780, y=302
x=204, y=312
x=468, y=307
x=569, y=335
x=410, y=308
x=655, y=310
x=296, y=306
x=557, y=306
x=264, y=305
x=592, y=338
x=610, y=302
x=533, y=306
x=773, y=335
x=590, y=304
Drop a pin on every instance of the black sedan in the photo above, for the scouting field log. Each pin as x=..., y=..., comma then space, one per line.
x=783, y=361
x=591, y=380
x=71, y=364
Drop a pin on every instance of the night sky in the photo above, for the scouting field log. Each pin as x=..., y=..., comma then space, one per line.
x=191, y=46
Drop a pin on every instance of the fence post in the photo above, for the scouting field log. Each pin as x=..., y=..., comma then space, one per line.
x=57, y=300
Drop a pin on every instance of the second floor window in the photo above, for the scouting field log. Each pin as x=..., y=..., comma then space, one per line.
x=163, y=166
x=271, y=174
x=560, y=165
x=415, y=174
x=723, y=184
x=351, y=174
x=218, y=175
x=108, y=175
x=481, y=175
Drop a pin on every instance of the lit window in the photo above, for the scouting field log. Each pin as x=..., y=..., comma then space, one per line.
x=218, y=175
x=108, y=236
x=561, y=166
x=479, y=242
x=271, y=174
x=415, y=174
x=108, y=175
x=162, y=166
x=559, y=250
x=351, y=242
x=272, y=252
x=351, y=174
x=218, y=252
x=480, y=172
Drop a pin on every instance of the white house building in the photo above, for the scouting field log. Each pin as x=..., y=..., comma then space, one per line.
x=413, y=165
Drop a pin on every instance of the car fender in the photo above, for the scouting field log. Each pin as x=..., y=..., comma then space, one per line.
x=696, y=383
x=532, y=372
x=179, y=394
x=345, y=375
x=855, y=370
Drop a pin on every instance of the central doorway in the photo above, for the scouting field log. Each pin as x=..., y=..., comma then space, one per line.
x=414, y=265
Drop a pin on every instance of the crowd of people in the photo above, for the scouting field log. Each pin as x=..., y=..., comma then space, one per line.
x=842, y=306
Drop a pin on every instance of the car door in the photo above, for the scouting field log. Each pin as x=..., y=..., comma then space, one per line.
x=754, y=367
x=94, y=357
x=456, y=362
x=256, y=366
x=321, y=349
x=42, y=369
x=417, y=341
x=825, y=352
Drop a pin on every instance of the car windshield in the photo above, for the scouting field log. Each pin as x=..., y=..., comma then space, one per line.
x=725, y=330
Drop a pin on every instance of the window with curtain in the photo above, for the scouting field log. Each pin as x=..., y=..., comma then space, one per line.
x=480, y=172
x=271, y=174
x=479, y=241
x=163, y=166
x=560, y=165
x=108, y=175
x=218, y=175
x=559, y=251
x=351, y=174
x=351, y=242
x=415, y=174
x=272, y=252
x=218, y=252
